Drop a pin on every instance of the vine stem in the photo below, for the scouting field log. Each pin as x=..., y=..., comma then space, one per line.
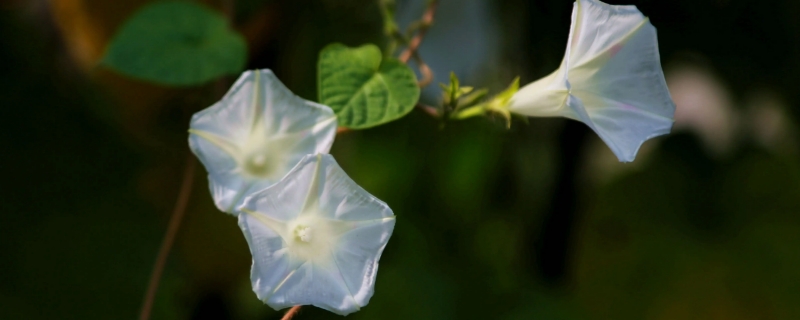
x=291, y=313
x=425, y=70
x=169, y=238
x=229, y=9
x=427, y=21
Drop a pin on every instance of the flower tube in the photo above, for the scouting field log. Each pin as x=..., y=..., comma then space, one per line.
x=610, y=79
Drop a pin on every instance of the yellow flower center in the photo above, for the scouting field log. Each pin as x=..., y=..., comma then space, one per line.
x=302, y=233
x=261, y=165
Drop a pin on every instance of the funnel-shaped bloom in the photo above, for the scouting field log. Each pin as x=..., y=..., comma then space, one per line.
x=610, y=79
x=316, y=238
x=252, y=137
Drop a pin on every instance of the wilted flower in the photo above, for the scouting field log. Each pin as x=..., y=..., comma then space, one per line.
x=610, y=79
x=316, y=238
x=252, y=137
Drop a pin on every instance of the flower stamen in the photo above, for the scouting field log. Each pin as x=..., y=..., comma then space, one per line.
x=302, y=233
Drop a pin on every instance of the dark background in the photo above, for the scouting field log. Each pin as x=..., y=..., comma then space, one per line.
x=535, y=222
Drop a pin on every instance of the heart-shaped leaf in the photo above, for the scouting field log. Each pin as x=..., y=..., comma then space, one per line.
x=177, y=43
x=364, y=89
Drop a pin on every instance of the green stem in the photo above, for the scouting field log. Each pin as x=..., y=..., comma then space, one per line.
x=470, y=112
x=390, y=28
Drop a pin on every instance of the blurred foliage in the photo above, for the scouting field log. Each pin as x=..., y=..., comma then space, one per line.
x=717, y=241
x=74, y=241
x=92, y=162
x=176, y=43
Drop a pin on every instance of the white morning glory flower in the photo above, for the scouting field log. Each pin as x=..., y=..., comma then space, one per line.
x=316, y=238
x=252, y=137
x=610, y=79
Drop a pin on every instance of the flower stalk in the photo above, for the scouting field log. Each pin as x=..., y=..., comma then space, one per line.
x=169, y=237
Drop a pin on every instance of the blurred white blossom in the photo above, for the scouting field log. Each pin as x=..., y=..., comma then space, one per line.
x=316, y=238
x=252, y=137
x=770, y=125
x=704, y=106
x=610, y=79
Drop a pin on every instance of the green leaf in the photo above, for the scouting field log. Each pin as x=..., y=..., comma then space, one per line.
x=364, y=89
x=451, y=91
x=472, y=98
x=176, y=43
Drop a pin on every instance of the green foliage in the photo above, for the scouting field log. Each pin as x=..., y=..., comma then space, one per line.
x=454, y=91
x=364, y=89
x=469, y=107
x=388, y=8
x=64, y=260
x=176, y=43
x=456, y=99
x=709, y=236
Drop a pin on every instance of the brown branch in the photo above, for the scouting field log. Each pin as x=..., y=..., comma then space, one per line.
x=291, y=313
x=432, y=111
x=229, y=9
x=425, y=70
x=169, y=238
x=413, y=45
x=341, y=130
x=427, y=21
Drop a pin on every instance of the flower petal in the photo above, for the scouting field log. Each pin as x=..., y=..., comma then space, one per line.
x=610, y=79
x=357, y=255
x=598, y=29
x=228, y=117
x=224, y=181
x=334, y=233
x=271, y=261
x=342, y=199
x=317, y=285
x=615, y=70
x=284, y=201
x=623, y=127
x=255, y=135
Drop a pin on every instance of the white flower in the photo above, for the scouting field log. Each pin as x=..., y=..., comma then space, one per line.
x=316, y=238
x=252, y=137
x=610, y=79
